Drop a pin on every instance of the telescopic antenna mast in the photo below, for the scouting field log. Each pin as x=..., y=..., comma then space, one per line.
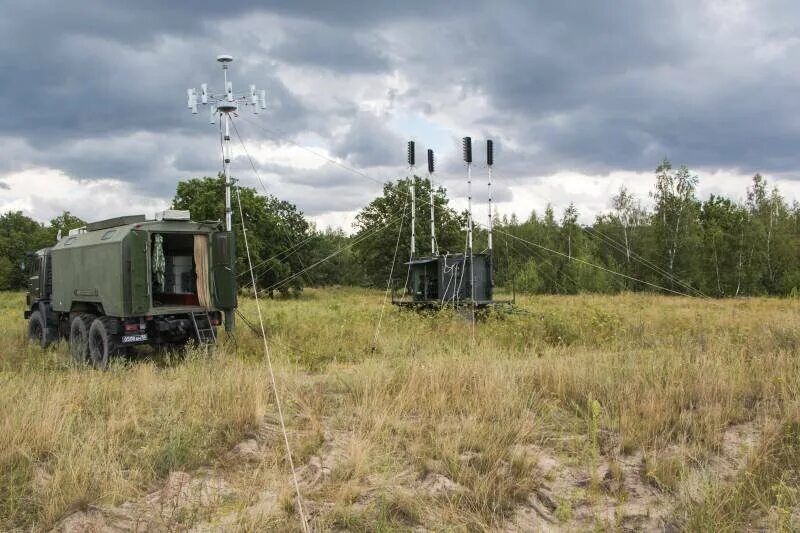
x=467, y=148
x=411, y=164
x=489, y=164
x=434, y=251
x=221, y=105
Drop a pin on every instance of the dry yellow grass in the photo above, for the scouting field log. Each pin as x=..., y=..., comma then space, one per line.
x=587, y=411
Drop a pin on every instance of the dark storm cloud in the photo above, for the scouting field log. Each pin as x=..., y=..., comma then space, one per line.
x=97, y=88
x=336, y=49
x=315, y=191
x=367, y=142
x=588, y=87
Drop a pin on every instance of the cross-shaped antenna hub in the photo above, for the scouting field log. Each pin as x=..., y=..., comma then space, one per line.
x=226, y=101
x=221, y=105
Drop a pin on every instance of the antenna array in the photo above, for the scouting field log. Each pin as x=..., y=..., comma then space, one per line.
x=223, y=104
x=411, y=162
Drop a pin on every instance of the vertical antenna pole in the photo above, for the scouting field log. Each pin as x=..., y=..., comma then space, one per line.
x=467, y=146
x=490, y=163
x=469, y=206
x=413, y=216
x=226, y=162
x=226, y=153
x=433, y=211
x=411, y=179
x=490, y=258
x=469, y=233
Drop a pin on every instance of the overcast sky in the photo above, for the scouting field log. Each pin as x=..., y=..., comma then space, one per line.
x=580, y=98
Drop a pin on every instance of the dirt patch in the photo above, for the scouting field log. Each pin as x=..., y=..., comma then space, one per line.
x=439, y=485
x=183, y=499
x=619, y=496
x=247, y=451
x=331, y=453
x=568, y=497
x=738, y=442
x=571, y=499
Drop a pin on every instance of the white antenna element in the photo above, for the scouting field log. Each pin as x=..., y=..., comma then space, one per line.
x=223, y=104
x=254, y=99
x=192, y=97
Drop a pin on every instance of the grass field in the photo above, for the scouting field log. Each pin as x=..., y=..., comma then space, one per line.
x=584, y=412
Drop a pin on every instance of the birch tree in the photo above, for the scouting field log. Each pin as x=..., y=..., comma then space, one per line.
x=675, y=214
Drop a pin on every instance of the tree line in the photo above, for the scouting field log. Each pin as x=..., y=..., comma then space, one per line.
x=716, y=247
x=679, y=244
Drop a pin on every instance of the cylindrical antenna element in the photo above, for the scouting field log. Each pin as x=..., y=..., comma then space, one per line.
x=430, y=161
x=466, y=144
x=192, y=100
x=489, y=152
x=204, y=93
x=411, y=154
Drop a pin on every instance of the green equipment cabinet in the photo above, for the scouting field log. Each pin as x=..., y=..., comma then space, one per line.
x=440, y=280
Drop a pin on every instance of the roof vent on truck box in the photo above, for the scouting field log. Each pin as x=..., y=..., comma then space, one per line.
x=114, y=222
x=173, y=214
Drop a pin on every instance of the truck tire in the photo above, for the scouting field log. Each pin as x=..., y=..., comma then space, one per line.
x=79, y=337
x=102, y=345
x=37, y=330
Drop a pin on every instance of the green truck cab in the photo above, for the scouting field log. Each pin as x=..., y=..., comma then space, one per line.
x=129, y=281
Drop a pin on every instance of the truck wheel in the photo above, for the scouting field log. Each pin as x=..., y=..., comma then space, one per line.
x=79, y=337
x=37, y=331
x=102, y=344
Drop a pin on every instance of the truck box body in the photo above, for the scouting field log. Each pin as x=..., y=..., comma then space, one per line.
x=113, y=267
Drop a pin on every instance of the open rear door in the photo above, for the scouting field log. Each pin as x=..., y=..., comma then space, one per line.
x=223, y=271
x=139, y=274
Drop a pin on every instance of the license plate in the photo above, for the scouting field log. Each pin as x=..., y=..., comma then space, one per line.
x=134, y=338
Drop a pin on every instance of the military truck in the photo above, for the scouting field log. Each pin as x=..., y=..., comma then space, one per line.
x=128, y=281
